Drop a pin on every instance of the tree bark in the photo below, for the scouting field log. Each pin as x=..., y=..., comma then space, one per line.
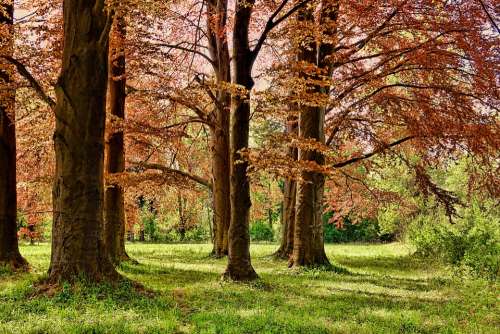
x=239, y=267
x=114, y=198
x=289, y=200
x=78, y=192
x=9, y=249
x=308, y=246
x=308, y=235
x=181, y=203
x=219, y=52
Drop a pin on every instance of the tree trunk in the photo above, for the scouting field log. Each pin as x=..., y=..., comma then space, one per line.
x=114, y=198
x=219, y=52
x=239, y=267
x=78, y=193
x=288, y=217
x=308, y=235
x=221, y=184
x=182, y=216
x=9, y=249
x=289, y=200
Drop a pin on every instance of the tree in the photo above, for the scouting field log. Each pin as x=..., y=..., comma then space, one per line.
x=9, y=250
x=289, y=199
x=239, y=265
x=398, y=79
x=114, y=222
x=78, y=193
x=219, y=54
x=308, y=245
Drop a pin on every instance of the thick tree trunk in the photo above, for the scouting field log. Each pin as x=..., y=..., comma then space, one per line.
x=9, y=250
x=308, y=235
x=219, y=52
x=114, y=198
x=289, y=201
x=239, y=267
x=78, y=193
x=308, y=248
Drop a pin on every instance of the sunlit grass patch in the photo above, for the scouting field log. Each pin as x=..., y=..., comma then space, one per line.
x=382, y=290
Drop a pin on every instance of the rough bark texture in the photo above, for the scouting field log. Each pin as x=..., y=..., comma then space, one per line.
x=219, y=52
x=78, y=193
x=308, y=247
x=114, y=198
x=239, y=266
x=308, y=235
x=9, y=250
x=289, y=200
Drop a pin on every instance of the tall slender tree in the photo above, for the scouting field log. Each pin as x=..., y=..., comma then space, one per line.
x=114, y=199
x=289, y=199
x=219, y=128
x=239, y=265
x=9, y=250
x=78, y=193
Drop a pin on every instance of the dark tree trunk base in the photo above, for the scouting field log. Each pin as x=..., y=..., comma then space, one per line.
x=123, y=257
x=126, y=258
x=239, y=274
x=282, y=254
x=99, y=271
x=14, y=262
x=318, y=260
x=218, y=254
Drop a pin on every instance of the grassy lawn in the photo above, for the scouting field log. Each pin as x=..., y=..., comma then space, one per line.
x=384, y=291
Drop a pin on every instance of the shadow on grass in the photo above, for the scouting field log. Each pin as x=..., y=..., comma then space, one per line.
x=379, y=263
x=168, y=274
x=302, y=307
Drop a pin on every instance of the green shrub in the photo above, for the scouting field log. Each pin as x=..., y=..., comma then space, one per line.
x=471, y=243
x=390, y=223
x=197, y=234
x=365, y=231
x=261, y=231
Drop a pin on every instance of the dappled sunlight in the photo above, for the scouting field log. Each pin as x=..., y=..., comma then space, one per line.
x=384, y=292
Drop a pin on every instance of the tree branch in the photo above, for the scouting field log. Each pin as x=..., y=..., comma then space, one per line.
x=371, y=154
x=493, y=23
x=182, y=48
x=168, y=170
x=33, y=82
x=271, y=23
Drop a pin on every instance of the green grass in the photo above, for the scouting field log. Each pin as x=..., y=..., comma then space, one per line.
x=384, y=291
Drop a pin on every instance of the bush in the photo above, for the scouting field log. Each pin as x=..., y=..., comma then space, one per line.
x=390, y=223
x=471, y=244
x=197, y=234
x=261, y=231
x=364, y=231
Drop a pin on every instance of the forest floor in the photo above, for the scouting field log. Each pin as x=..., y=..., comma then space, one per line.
x=384, y=290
